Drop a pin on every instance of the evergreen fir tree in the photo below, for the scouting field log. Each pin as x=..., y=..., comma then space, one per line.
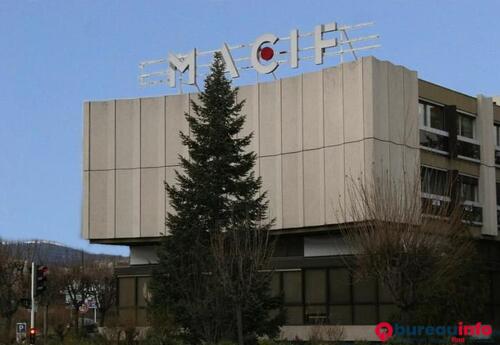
x=216, y=193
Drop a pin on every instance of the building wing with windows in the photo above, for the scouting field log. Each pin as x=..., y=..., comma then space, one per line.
x=313, y=133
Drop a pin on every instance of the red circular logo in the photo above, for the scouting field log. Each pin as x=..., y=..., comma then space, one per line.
x=266, y=53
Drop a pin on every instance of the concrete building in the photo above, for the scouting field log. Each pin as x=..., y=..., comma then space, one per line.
x=312, y=134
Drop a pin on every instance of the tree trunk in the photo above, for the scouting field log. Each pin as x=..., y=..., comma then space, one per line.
x=239, y=324
x=102, y=318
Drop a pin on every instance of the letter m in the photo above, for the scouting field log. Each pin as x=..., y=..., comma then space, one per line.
x=187, y=62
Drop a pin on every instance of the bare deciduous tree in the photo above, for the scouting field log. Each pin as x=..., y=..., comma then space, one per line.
x=242, y=260
x=415, y=247
x=14, y=282
x=75, y=283
x=102, y=288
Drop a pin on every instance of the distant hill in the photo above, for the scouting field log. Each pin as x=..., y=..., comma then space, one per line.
x=50, y=253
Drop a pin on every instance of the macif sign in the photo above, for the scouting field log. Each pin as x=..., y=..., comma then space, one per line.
x=264, y=55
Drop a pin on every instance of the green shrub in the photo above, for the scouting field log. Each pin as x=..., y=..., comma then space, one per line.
x=267, y=341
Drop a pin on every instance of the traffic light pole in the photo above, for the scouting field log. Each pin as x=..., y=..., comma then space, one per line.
x=33, y=273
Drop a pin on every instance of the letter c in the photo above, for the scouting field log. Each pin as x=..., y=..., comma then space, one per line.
x=254, y=57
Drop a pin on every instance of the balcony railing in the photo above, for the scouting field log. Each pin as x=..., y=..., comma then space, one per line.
x=468, y=148
x=497, y=157
x=437, y=205
x=473, y=213
x=434, y=140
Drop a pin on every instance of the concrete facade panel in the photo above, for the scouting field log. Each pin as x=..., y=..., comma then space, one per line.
x=170, y=179
x=368, y=97
x=251, y=110
x=128, y=184
x=293, y=198
x=314, y=187
x=291, y=114
x=86, y=135
x=487, y=176
x=396, y=104
x=85, y=206
x=152, y=202
x=412, y=122
x=270, y=168
x=398, y=162
x=270, y=118
x=354, y=170
x=175, y=122
x=250, y=94
x=312, y=112
x=380, y=160
x=102, y=204
x=352, y=112
x=379, y=101
x=334, y=184
x=128, y=134
x=152, y=132
x=411, y=166
x=102, y=135
x=376, y=161
x=333, y=106
x=353, y=100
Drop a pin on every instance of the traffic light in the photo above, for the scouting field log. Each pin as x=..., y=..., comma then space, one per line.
x=41, y=279
x=32, y=335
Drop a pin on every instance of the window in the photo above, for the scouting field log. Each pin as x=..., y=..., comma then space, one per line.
x=432, y=116
x=469, y=192
x=498, y=194
x=466, y=126
x=423, y=117
x=497, y=134
x=331, y=296
x=436, y=115
x=292, y=297
x=365, y=291
x=292, y=287
x=497, y=143
x=467, y=145
x=143, y=293
x=126, y=296
x=340, y=286
x=469, y=189
x=315, y=286
x=133, y=296
x=433, y=132
x=498, y=204
x=434, y=181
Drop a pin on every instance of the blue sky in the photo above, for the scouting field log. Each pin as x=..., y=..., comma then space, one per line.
x=56, y=54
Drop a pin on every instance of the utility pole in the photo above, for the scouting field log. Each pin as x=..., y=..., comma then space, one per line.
x=33, y=303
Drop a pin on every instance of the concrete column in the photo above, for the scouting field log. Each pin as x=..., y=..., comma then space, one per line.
x=487, y=178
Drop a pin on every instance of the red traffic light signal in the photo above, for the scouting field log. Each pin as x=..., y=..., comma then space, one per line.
x=41, y=279
x=32, y=335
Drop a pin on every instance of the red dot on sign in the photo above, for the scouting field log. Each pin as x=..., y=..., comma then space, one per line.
x=266, y=53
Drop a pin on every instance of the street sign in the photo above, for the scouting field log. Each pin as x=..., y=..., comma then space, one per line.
x=90, y=302
x=83, y=309
x=21, y=329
